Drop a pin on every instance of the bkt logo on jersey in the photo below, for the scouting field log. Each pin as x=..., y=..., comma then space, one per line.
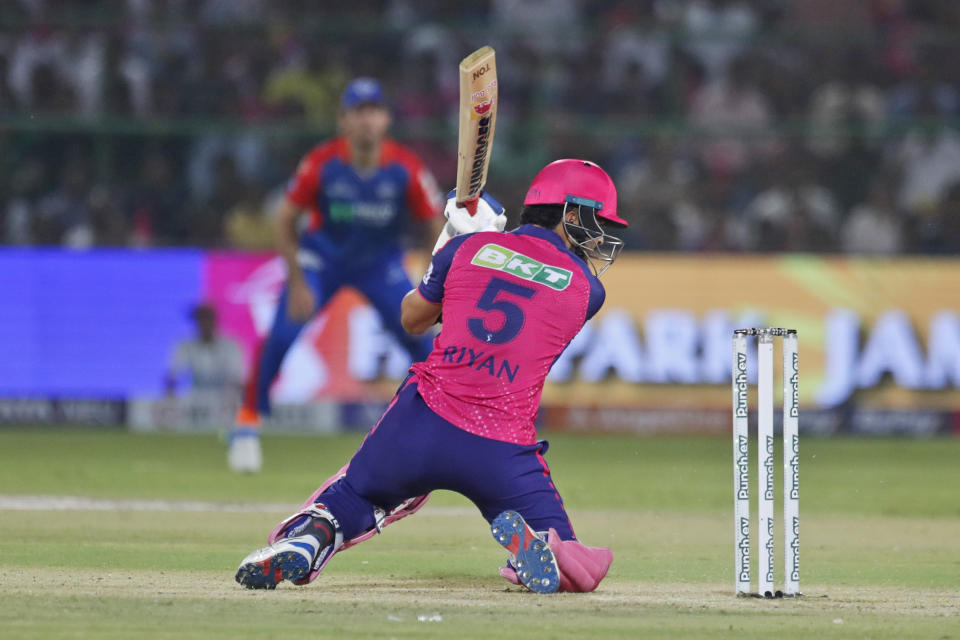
x=493, y=256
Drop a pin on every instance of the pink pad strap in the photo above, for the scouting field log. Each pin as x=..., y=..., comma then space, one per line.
x=581, y=567
x=281, y=528
x=402, y=510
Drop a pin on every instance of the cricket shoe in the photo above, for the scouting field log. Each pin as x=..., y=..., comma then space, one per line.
x=535, y=564
x=286, y=559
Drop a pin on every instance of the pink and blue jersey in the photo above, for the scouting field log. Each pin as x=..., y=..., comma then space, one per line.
x=511, y=303
x=464, y=419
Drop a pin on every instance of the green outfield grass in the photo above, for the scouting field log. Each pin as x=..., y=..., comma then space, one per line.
x=880, y=545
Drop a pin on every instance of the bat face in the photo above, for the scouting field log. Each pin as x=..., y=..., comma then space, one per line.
x=478, y=112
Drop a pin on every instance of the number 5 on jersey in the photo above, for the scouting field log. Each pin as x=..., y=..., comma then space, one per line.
x=496, y=297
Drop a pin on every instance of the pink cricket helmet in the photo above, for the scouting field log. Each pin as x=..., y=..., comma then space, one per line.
x=578, y=182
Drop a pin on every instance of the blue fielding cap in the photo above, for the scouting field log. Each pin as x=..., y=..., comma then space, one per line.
x=361, y=91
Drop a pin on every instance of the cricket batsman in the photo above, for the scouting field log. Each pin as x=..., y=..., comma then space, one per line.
x=359, y=192
x=463, y=420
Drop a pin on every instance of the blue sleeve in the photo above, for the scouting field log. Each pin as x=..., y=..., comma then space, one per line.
x=597, y=295
x=431, y=287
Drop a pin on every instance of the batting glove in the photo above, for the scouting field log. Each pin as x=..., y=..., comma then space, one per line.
x=489, y=216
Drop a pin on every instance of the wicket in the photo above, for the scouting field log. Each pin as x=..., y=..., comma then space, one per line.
x=765, y=452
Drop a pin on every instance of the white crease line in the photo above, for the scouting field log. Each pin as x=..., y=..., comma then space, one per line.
x=77, y=503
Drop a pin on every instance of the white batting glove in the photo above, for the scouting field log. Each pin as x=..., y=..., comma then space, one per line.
x=489, y=216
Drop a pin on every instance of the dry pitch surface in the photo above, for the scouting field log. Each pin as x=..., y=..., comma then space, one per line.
x=190, y=604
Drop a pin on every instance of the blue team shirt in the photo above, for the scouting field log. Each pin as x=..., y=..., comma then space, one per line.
x=357, y=216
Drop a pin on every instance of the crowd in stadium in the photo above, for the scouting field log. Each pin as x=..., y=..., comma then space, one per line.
x=728, y=125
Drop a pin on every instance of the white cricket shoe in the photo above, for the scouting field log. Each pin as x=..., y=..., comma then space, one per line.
x=244, y=455
x=287, y=559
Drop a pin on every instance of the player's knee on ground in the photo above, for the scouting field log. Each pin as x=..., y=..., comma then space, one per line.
x=581, y=567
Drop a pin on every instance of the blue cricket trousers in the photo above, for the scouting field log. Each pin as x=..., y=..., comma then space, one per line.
x=413, y=451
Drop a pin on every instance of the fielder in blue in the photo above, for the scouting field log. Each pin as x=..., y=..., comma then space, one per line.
x=361, y=191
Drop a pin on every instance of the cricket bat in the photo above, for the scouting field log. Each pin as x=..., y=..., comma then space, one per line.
x=478, y=116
